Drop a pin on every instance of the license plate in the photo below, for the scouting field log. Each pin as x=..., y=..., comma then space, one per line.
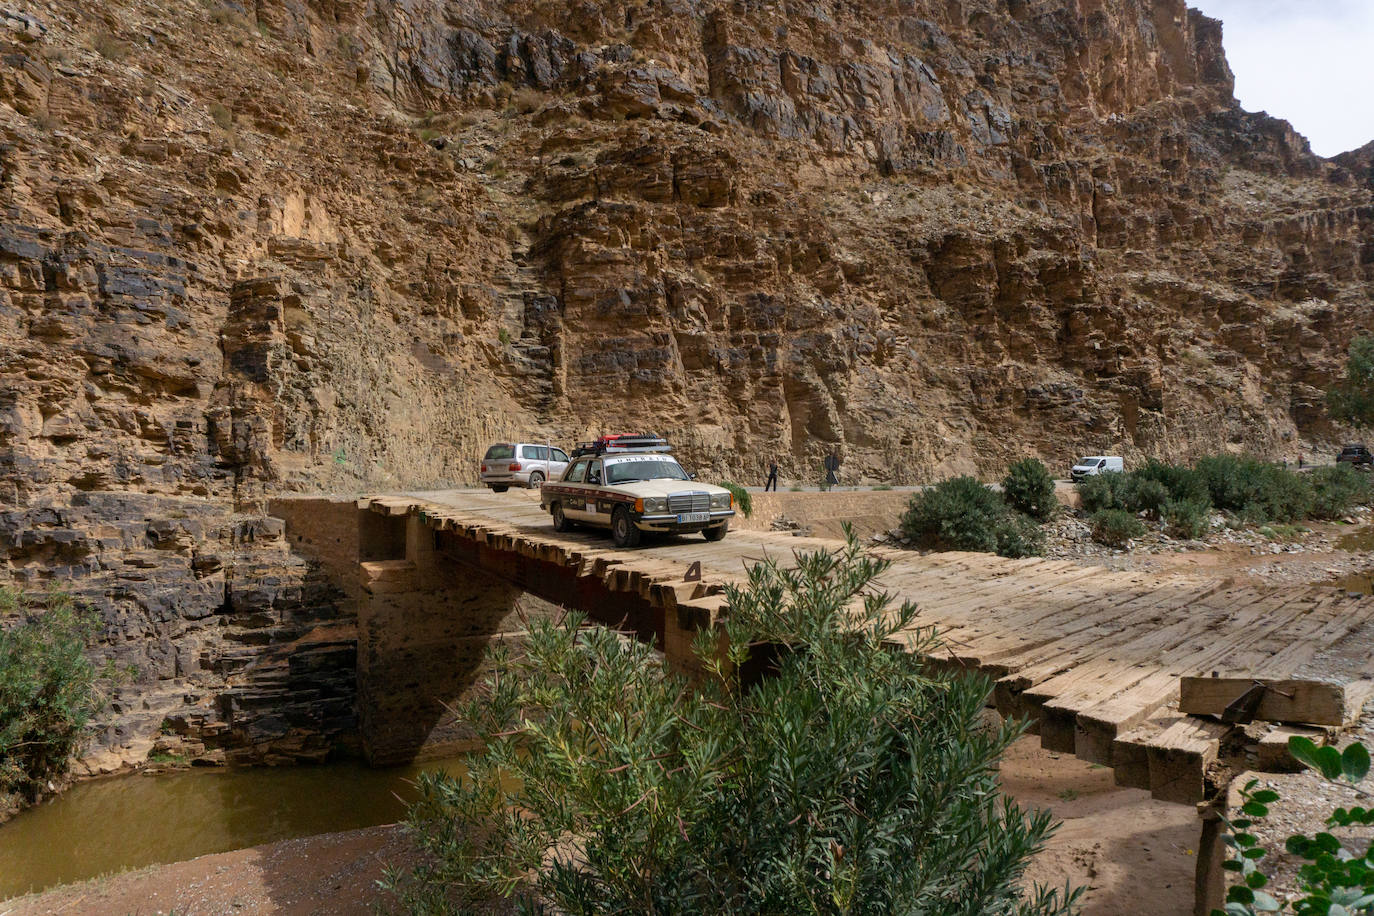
x=692, y=518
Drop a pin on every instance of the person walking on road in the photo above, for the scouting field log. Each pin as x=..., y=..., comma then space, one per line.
x=772, y=476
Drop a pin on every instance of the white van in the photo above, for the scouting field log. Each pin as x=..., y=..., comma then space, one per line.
x=1096, y=464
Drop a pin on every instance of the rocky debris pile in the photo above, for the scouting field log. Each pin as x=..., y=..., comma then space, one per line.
x=891, y=538
x=1320, y=552
x=792, y=526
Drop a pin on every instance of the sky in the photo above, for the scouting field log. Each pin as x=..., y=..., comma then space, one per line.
x=1310, y=62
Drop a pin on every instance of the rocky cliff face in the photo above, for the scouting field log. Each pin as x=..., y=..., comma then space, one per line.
x=219, y=644
x=328, y=243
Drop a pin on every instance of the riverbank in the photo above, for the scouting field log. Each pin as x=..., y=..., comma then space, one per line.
x=1119, y=843
x=332, y=874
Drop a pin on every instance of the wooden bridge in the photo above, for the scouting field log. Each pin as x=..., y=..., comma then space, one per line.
x=1091, y=656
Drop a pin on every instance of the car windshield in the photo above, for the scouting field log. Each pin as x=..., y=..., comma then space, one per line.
x=644, y=469
x=1088, y=461
x=500, y=450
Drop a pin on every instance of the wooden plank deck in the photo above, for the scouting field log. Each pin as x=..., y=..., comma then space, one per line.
x=1092, y=656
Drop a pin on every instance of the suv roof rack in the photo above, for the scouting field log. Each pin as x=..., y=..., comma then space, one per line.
x=622, y=443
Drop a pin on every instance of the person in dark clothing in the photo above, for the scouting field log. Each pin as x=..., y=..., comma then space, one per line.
x=772, y=476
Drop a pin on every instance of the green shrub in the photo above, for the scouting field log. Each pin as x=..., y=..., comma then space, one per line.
x=1336, y=490
x=1182, y=482
x=963, y=514
x=1102, y=491
x=809, y=770
x=1226, y=480
x=1143, y=494
x=1352, y=399
x=1257, y=491
x=1187, y=518
x=1029, y=488
x=743, y=501
x=1115, y=527
x=46, y=688
x=1279, y=495
x=1020, y=536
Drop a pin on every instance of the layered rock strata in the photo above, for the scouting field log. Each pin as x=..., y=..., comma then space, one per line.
x=219, y=645
x=329, y=244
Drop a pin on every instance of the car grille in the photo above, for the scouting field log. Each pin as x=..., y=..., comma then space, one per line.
x=689, y=502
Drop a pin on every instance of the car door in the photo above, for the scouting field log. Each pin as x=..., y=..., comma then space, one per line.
x=571, y=490
x=592, y=506
x=535, y=458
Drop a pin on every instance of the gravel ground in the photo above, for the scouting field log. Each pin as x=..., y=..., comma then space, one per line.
x=1305, y=802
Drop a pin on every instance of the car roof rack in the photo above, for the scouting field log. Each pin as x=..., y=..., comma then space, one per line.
x=623, y=444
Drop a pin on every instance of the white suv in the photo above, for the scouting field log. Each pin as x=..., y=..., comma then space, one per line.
x=521, y=464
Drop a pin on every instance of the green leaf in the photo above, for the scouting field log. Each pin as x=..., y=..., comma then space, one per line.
x=1255, y=853
x=1303, y=750
x=1256, y=880
x=1265, y=796
x=1355, y=762
x=1326, y=842
x=1239, y=893
x=1329, y=762
x=1254, y=809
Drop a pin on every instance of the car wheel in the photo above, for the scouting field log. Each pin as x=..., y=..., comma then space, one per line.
x=536, y=480
x=716, y=533
x=500, y=489
x=560, y=521
x=623, y=530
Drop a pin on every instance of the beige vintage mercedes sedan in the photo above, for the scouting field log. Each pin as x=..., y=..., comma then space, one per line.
x=632, y=491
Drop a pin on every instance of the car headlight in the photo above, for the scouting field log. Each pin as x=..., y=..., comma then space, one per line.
x=655, y=504
x=720, y=500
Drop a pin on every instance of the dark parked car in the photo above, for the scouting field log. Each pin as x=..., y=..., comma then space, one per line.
x=1358, y=455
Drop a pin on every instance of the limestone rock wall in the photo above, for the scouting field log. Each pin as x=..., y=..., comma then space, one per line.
x=303, y=245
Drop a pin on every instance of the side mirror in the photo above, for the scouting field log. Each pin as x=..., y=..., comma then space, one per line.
x=593, y=478
x=691, y=475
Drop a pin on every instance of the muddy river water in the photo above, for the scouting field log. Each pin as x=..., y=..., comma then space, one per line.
x=109, y=825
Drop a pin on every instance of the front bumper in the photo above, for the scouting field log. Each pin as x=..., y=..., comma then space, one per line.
x=668, y=522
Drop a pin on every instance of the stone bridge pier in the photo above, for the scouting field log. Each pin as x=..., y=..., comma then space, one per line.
x=432, y=602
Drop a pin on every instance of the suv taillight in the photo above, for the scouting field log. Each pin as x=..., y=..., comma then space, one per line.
x=514, y=466
x=484, y=469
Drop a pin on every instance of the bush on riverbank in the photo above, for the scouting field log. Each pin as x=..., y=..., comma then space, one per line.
x=1029, y=489
x=1115, y=527
x=1336, y=490
x=1256, y=492
x=1187, y=518
x=810, y=770
x=963, y=514
x=47, y=689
